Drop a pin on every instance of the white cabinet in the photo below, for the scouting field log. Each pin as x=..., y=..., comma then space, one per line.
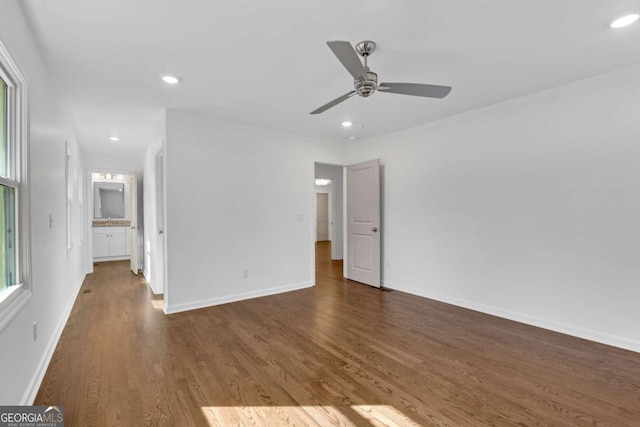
x=100, y=245
x=110, y=242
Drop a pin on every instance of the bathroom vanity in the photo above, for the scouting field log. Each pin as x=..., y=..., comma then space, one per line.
x=110, y=227
x=111, y=242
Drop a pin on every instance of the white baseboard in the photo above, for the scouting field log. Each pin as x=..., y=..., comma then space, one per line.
x=572, y=330
x=34, y=385
x=235, y=297
x=155, y=291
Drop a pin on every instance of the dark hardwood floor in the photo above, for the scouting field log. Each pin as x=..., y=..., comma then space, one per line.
x=340, y=353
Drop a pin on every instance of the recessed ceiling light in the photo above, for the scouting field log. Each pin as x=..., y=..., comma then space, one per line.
x=172, y=80
x=114, y=138
x=353, y=138
x=346, y=124
x=625, y=20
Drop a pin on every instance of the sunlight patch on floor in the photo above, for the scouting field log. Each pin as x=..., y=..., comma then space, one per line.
x=275, y=415
x=157, y=304
x=376, y=415
x=384, y=415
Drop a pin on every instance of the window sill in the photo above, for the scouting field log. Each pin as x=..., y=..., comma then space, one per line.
x=11, y=302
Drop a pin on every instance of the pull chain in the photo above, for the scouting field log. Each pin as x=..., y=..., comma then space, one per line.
x=361, y=113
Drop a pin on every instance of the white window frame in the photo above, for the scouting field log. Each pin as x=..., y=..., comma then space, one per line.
x=12, y=299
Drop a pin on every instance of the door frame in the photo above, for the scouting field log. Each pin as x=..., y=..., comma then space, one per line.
x=160, y=177
x=134, y=229
x=334, y=226
x=89, y=198
x=329, y=216
x=314, y=213
x=345, y=236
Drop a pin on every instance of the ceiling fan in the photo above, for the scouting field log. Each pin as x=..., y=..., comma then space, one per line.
x=365, y=81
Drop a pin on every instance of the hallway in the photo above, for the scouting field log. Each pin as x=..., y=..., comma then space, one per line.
x=326, y=268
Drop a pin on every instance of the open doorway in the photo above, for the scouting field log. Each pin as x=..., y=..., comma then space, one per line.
x=329, y=216
x=113, y=213
x=354, y=222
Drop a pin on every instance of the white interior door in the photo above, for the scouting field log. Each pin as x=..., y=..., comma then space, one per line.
x=133, y=191
x=158, y=261
x=363, y=222
x=322, y=217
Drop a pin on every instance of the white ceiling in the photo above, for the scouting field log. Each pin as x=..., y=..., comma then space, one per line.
x=265, y=62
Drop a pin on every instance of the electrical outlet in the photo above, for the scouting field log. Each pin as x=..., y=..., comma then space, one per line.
x=35, y=331
x=245, y=273
x=300, y=218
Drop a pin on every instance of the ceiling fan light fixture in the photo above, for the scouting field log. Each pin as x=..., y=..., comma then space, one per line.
x=171, y=80
x=624, y=21
x=365, y=81
x=347, y=124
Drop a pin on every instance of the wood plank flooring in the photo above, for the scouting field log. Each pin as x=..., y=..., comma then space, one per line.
x=340, y=354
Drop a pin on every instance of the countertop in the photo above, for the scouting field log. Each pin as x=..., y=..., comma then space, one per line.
x=110, y=223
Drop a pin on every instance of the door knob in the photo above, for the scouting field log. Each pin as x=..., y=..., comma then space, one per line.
x=374, y=229
x=160, y=232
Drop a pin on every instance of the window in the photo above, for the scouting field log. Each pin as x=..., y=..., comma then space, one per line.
x=14, y=262
x=6, y=199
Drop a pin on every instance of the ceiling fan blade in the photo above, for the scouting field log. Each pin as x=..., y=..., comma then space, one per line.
x=416, y=89
x=333, y=103
x=349, y=58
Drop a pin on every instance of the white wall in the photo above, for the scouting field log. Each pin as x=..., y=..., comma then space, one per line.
x=334, y=173
x=234, y=197
x=56, y=275
x=111, y=162
x=528, y=209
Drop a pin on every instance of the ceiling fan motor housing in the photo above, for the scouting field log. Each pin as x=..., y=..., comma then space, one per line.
x=366, y=87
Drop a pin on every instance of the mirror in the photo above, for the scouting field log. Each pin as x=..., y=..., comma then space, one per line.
x=108, y=200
